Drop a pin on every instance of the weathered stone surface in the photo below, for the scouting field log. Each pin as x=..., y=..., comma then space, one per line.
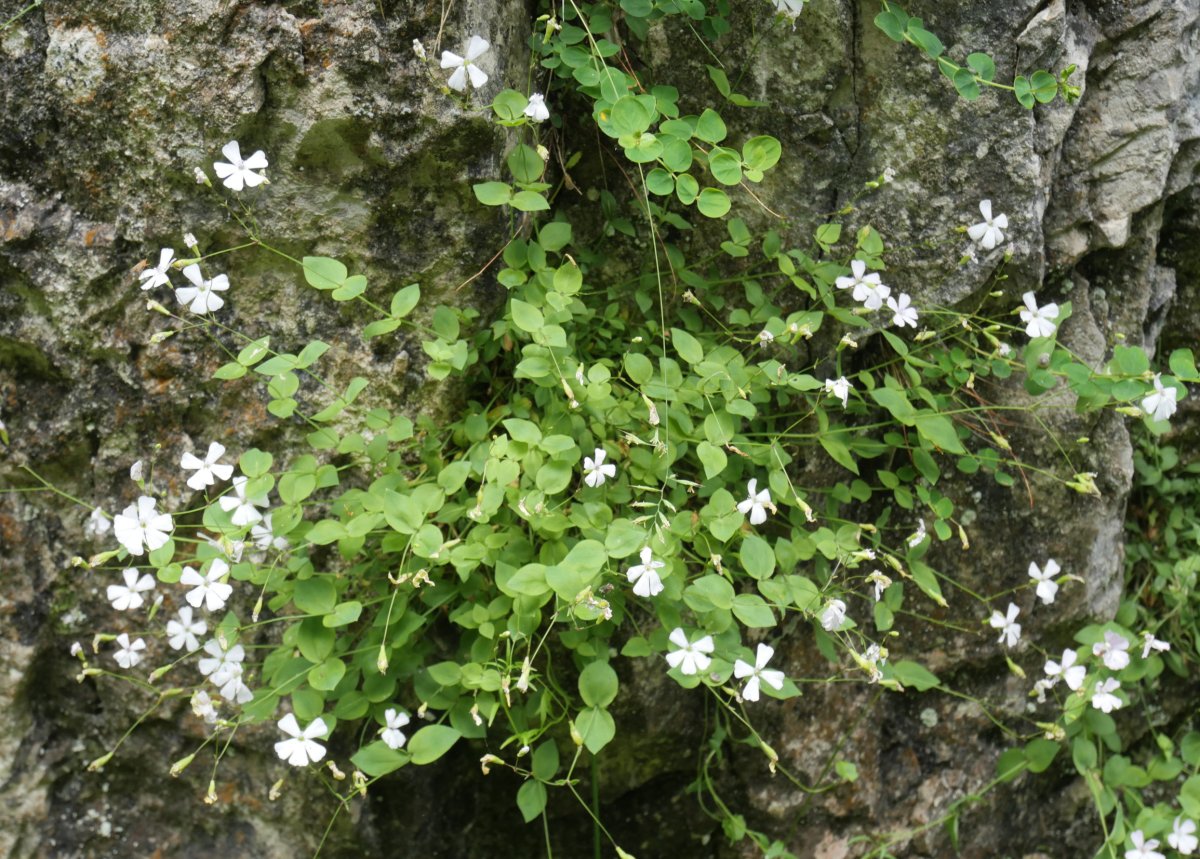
x=110, y=105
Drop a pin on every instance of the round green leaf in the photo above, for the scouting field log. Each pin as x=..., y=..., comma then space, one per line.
x=598, y=684
x=431, y=742
x=713, y=203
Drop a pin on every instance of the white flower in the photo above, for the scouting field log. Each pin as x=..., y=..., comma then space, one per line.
x=1004, y=350
x=202, y=706
x=302, y=747
x=840, y=388
x=244, y=512
x=182, y=631
x=1160, y=405
x=207, y=588
x=140, y=526
x=755, y=503
x=1010, y=630
x=129, y=595
x=1039, y=321
x=208, y=470
x=1040, y=687
x=758, y=672
x=918, y=536
x=904, y=312
x=1047, y=588
x=76, y=648
x=1182, y=836
x=234, y=688
x=157, y=276
x=988, y=233
x=130, y=653
x=202, y=296
x=867, y=288
x=1149, y=642
x=97, y=523
x=690, y=657
x=1067, y=669
x=536, y=109
x=137, y=471
x=189, y=241
x=264, y=537
x=238, y=173
x=791, y=8
x=765, y=337
x=1114, y=650
x=419, y=50
x=200, y=176
x=1143, y=848
x=221, y=665
x=881, y=583
x=1103, y=697
x=595, y=470
x=833, y=616
x=644, y=576
x=391, y=735
x=464, y=67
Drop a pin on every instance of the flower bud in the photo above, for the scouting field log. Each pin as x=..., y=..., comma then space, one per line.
x=98, y=763
x=275, y=791
x=181, y=764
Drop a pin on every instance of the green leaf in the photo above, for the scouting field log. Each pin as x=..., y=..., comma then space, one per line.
x=309, y=355
x=687, y=346
x=327, y=675
x=687, y=189
x=629, y=116
x=925, y=40
x=712, y=458
x=939, y=430
x=753, y=611
x=1040, y=753
x=554, y=236
x=598, y=684
x=709, y=592
x=531, y=800
x=323, y=272
x=710, y=127
x=1044, y=86
x=982, y=65
x=378, y=759
x=354, y=286
x=891, y=24
x=232, y=370
x=405, y=300
x=343, y=614
x=545, y=760
x=835, y=445
x=493, y=193
x=638, y=368
x=897, y=403
x=509, y=105
x=725, y=165
x=431, y=742
x=596, y=727
x=660, y=182
x=1023, y=92
x=915, y=675
x=713, y=203
x=254, y=351
x=526, y=316
x=525, y=164
x=529, y=201
x=757, y=556
x=761, y=152
x=966, y=85
x=255, y=462
x=927, y=581
x=315, y=596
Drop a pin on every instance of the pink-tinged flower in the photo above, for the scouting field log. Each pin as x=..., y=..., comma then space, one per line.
x=1143, y=847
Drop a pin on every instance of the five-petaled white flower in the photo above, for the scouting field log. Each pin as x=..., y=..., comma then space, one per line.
x=140, y=526
x=758, y=672
x=243, y=508
x=1047, y=588
x=464, y=67
x=1114, y=650
x=202, y=296
x=1149, y=642
x=1071, y=673
x=302, y=747
x=833, y=615
x=157, y=276
x=790, y=8
x=208, y=470
x=867, y=288
x=988, y=233
x=221, y=665
x=595, y=469
x=391, y=734
x=644, y=576
x=264, y=537
x=903, y=311
x=182, y=631
x=1039, y=321
x=97, y=523
x=1143, y=848
x=238, y=173
x=1160, y=404
x=234, y=688
x=690, y=657
x=840, y=388
x=1183, y=837
x=1010, y=630
x=755, y=503
x=129, y=595
x=207, y=588
x=129, y=654
x=536, y=110
x=1102, y=696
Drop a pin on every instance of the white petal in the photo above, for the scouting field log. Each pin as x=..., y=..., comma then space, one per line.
x=476, y=47
x=478, y=76
x=257, y=161
x=232, y=151
x=458, y=80
x=985, y=209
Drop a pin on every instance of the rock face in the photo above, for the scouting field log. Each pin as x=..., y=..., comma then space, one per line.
x=110, y=106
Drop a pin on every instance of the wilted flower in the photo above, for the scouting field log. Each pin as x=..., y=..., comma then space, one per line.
x=790, y=8
x=536, y=110
x=840, y=388
x=1149, y=642
x=833, y=615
